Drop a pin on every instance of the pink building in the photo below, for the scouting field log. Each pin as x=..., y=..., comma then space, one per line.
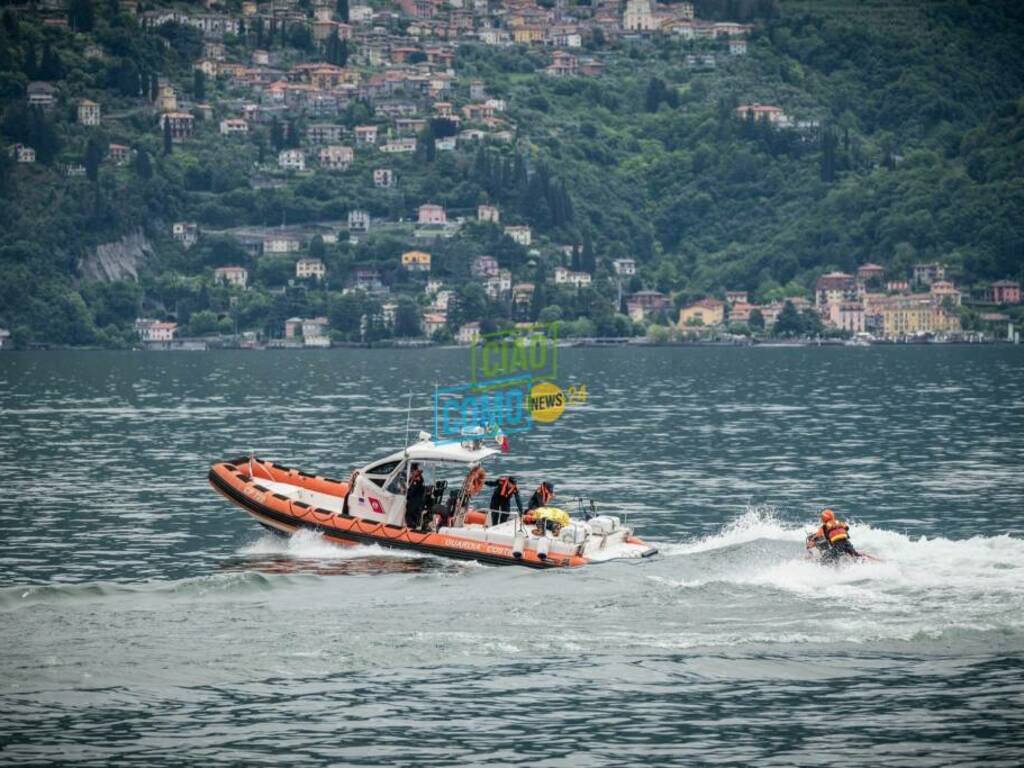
x=484, y=266
x=1006, y=292
x=431, y=214
x=847, y=315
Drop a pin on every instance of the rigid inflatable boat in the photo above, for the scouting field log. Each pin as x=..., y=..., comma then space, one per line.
x=371, y=509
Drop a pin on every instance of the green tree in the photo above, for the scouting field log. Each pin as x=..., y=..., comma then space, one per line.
x=168, y=140
x=93, y=157
x=789, y=322
x=407, y=319
x=143, y=166
x=756, y=320
x=199, y=84
x=81, y=15
x=341, y=10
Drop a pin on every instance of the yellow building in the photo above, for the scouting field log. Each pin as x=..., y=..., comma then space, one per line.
x=416, y=261
x=911, y=318
x=703, y=312
x=528, y=35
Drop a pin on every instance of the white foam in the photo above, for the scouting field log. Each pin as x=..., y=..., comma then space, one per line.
x=918, y=587
x=756, y=523
x=309, y=545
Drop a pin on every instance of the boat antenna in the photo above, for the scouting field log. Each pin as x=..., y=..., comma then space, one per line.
x=408, y=416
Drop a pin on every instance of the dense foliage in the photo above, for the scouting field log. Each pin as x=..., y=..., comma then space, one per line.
x=905, y=146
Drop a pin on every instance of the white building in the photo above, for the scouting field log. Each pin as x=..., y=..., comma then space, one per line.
x=565, y=276
x=358, y=221
x=488, y=213
x=231, y=276
x=399, y=146
x=234, y=126
x=383, y=178
x=154, y=330
x=336, y=157
x=292, y=160
x=88, y=112
x=521, y=234
x=185, y=232
x=281, y=244
x=469, y=333
x=624, y=267
x=307, y=267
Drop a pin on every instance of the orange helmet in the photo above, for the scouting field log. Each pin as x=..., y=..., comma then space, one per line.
x=827, y=515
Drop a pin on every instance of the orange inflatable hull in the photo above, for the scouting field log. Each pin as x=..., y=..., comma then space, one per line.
x=239, y=482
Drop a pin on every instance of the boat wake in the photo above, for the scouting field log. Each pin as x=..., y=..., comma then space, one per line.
x=927, y=585
x=309, y=552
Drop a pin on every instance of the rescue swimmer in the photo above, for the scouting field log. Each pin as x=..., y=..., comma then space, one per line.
x=832, y=540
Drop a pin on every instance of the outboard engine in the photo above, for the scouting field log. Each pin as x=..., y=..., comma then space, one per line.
x=542, y=547
x=518, y=545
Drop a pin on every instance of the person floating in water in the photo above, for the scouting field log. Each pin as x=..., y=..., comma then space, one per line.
x=545, y=493
x=832, y=539
x=505, y=492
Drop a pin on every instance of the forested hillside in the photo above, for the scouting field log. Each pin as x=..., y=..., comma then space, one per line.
x=903, y=143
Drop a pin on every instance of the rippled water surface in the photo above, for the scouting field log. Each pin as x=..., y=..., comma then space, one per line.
x=144, y=620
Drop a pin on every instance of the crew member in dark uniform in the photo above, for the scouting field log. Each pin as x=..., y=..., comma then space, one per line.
x=415, y=496
x=505, y=490
x=542, y=496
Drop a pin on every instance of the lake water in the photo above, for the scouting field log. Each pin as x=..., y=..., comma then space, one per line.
x=144, y=620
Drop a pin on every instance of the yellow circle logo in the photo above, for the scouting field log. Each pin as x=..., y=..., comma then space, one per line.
x=547, y=402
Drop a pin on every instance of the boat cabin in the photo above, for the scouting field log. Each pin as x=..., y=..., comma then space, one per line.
x=379, y=492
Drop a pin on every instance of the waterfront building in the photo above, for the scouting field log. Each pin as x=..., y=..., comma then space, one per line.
x=943, y=289
x=834, y=288
x=433, y=322
x=1006, y=292
x=704, y=312
x=154, y=330
x=469, y=333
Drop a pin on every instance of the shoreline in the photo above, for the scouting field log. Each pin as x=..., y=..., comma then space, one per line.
x=593, y=343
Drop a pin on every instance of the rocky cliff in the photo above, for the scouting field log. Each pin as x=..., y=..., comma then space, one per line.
x=117, y=260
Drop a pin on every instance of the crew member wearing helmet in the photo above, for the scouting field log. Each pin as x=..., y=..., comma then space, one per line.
x=542, y=496
x=505, y=491
x=832, y=539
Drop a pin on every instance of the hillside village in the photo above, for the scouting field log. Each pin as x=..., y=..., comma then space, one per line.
x=319, y=96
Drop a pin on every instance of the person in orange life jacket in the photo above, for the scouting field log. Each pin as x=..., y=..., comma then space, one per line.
x=505, y=490
x=542, y=496
x=832, y=539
